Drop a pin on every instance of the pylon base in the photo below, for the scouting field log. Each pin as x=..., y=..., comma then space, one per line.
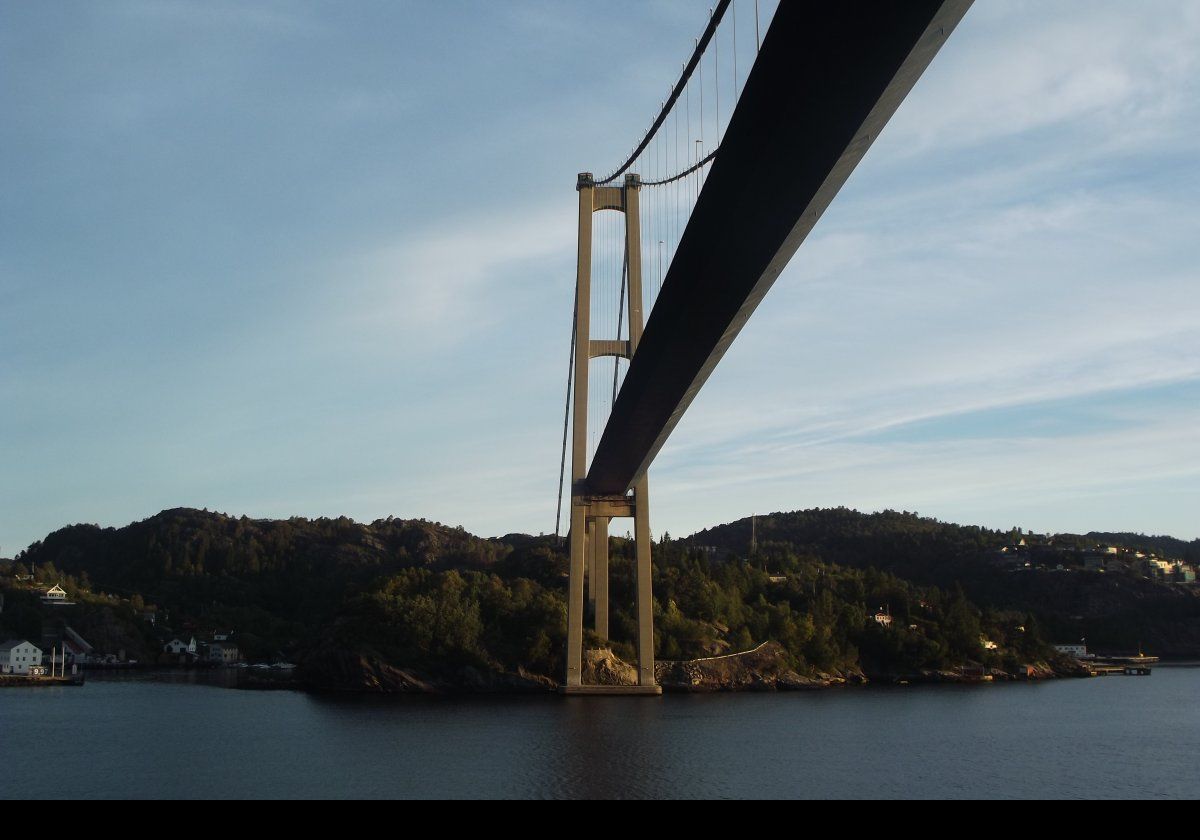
x=611, y=690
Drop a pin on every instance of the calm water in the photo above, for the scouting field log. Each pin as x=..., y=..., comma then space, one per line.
x=153, y=736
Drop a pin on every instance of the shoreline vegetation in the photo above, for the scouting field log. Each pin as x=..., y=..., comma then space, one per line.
x=794, y=601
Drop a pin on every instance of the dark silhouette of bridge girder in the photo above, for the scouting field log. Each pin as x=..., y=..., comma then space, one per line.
x=827, y=79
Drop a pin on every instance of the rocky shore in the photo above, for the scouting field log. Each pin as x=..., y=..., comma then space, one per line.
x=343, y=671
x=764, y=668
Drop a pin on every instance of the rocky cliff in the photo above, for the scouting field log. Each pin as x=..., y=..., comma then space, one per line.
x=328, y=669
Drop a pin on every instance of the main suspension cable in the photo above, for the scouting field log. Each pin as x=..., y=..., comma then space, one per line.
x=562, y=464
x=701, y=45
x=680, y=175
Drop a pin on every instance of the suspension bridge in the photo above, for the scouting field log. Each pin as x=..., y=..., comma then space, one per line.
x=680, y=243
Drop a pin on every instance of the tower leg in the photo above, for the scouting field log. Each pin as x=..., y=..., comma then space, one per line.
x=590, y=566
x=574, y=675
x=600, y=570
x=645, y=595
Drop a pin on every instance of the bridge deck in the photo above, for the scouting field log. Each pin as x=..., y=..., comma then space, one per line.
x=827, y=79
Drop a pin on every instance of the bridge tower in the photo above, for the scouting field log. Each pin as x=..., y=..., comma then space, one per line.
x=590, y=513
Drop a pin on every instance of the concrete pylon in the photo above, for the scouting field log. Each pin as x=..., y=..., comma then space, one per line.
x=591, y=514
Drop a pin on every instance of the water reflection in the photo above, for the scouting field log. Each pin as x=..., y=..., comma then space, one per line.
x=143, y=735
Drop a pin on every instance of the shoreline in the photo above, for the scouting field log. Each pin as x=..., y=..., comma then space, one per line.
x=446, y=690
x=759, y=670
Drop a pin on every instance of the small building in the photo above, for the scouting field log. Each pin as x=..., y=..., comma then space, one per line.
x=883, y=618
x=1079, y=651
x=988, y=644
x=179, y=646
x=225, y=653
x=20, y=656
x=55, y=596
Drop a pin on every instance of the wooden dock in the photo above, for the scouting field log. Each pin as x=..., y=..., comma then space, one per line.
x=1128, y=669
x=23, y=681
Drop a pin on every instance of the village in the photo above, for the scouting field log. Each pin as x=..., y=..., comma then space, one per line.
x=60, y=653
x=1049, y=553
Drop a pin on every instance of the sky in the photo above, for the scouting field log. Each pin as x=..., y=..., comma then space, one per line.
x=317, y=259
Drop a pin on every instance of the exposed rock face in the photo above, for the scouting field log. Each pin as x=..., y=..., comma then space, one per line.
x=480, y=681
x=1060, y=667
x=335, y=670
x=762, y=669
x=603, y=667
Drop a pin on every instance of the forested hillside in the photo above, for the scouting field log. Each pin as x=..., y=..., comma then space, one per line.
x=1115, y=612
x=890, y=594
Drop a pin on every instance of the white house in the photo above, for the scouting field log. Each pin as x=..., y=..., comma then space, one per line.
x=1079, y=651
x=224, y=652
x=55, y=596
x=178, y=646
x=18, y=656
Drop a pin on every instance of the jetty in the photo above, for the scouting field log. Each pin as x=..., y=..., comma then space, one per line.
x=29, y=681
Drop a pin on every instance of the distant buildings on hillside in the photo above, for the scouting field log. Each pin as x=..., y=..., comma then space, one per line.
x=1049, y=556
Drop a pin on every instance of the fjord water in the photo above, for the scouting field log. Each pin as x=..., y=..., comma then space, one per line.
x=152, y=735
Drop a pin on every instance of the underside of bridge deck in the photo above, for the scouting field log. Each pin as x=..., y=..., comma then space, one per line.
x=827, y=79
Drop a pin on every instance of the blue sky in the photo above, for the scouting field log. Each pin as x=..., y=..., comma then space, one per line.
x=317, y=259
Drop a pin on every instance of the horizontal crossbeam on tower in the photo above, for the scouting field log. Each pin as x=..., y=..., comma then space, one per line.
x=827, y=79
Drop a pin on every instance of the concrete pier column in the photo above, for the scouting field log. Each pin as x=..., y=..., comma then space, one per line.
x=643, y=583
x=583, y=334
x=600, y=570
x=590, y=566
x=574, y=675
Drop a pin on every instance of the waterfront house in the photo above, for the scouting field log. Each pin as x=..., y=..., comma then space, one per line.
x=19, y=656
x=177, y=646
x=55, y=596
x=1079, y=651
x=225, y=653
